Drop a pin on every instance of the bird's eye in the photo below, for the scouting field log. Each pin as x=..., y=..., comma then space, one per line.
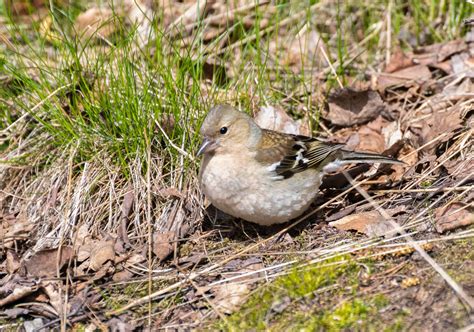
x=223, y=130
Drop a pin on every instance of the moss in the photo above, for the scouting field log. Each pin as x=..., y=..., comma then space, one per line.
x=426, y=184
x=301, y=282
x=302, y=301
x=259, y=312
x=350, y=314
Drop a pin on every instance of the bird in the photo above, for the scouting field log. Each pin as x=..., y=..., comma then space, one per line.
x=264, y=176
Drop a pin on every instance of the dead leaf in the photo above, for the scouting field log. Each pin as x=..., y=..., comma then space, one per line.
x=417, y=74
x=163, y=244
x=370, y=223
x=103, y=21
x=453, y=216
x=12, y=262
x=399, y=60
x=275, y=118
x=371, y=139
x=123, y=275
x=27, y=11
x=170, y=192
x=463, y=64
x=348, y=107
x=119, y=324
x=439, y=123
x=229, y=296
x=340, y=214
x=18, y=226
x=444, y=66
x=439, y=52
x=46, y=263
x=52, y=290
x=102, y=252
x=460, y=169
x=95, y=22
x=241, y=270
x=409, y=156
x=15, y=290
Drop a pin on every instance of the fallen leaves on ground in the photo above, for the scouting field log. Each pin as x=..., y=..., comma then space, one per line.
x=414, y=75
x=453, y=216
x=229, y=296
x=408, y=69
x=47, y=263
x=103, y=21
x=101, y=253
x=370, y=223
x=275, y=118
x=348, y=107
x=163, y=244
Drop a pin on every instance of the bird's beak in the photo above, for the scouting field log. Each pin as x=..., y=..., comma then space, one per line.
x=207, y=145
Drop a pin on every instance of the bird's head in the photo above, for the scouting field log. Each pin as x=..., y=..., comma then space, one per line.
x=226, y=129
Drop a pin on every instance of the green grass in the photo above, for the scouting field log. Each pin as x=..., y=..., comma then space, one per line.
x=109, y=101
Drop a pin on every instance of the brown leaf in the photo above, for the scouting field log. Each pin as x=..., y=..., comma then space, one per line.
x=463, y=64
x=242, y=267
x=102, y=252
x=444, y=66
x=15, y=290
x=399, y=60
x=52, y=290
x=126, y=208
x=340, y=214
x=453, y=216
x=409, y=156
x=408, y=76
x=170, y=192
x=440, y=51
x=163, y=244
x=275, y=118
x=45, y=263
x=16, y=227
x=439, y=123
x=13, y=262
x=95, y=21
x=229, y=296
x=348, y=107
x=371, y=140
x=123, y=275
x=371, y=223
x=27, y=11
x=460, y=169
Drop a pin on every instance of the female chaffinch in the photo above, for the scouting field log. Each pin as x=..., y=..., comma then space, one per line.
x=264, y=176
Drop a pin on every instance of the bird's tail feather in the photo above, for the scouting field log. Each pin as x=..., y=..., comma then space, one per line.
x=367, y=157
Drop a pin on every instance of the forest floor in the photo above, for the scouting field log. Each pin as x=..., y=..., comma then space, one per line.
x=103, y=224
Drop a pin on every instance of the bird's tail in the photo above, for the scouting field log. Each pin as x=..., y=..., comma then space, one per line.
x=349, y=157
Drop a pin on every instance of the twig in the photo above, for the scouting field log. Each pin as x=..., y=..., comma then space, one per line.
x=426, y=190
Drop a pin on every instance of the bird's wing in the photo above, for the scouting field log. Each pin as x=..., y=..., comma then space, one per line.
x=289, y=154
